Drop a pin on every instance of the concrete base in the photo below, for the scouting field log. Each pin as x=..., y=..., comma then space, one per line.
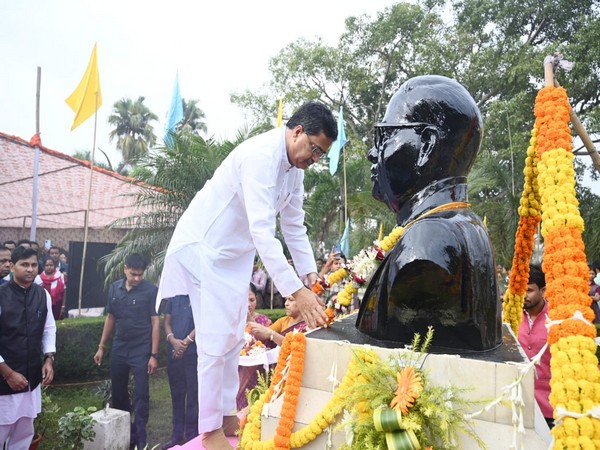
x=112, y=430
x=488, y=374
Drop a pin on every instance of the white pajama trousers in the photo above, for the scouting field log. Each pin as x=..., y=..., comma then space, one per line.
x=20, y=433
x=218, y=384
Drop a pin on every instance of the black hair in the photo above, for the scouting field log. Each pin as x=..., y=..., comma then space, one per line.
x=536, y=276
x=23, y=241
x=253, y=288
x=4, y=249
x=595, y=265
x=136, y=261
x=21, y=252
x=10, y=242
x=54, y=246
x=45, y=260
x=315, y=118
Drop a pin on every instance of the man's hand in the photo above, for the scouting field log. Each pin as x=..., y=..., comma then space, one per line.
x=16, y=381
x=179, y=347
x=152, y=365
x=98, y=356
x=310, y=307
x=312, y=279
x=47, y=372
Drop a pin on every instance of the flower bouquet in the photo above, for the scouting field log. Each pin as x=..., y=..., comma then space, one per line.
x=392, y=404
x=252, y=346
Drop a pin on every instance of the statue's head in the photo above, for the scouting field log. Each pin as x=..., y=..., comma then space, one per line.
x=432, y=130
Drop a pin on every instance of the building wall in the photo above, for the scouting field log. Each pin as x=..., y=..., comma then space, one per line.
x=61, y=237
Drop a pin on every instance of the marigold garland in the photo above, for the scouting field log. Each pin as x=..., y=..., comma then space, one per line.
x=575, y=379
x=361, y=268
x=529, y=217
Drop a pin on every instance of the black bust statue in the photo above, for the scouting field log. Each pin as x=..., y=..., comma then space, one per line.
x=441, y=271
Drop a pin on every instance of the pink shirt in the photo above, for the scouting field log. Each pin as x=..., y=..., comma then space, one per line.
x=532, y=339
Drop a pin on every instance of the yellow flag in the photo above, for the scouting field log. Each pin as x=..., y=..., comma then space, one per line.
x=280, y=113
x=87, y=97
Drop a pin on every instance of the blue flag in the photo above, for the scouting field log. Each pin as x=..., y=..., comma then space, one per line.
x=336, y=147
x=345, y=241
x=175, y=114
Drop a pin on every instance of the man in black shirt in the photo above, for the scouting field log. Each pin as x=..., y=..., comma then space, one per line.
x=132, y=312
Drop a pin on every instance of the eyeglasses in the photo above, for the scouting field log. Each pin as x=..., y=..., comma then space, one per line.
x=384, y=130
x=316, y=150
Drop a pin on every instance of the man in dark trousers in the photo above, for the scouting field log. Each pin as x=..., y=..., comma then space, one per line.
x=27, y=331
x=132, y=312
x=182, y=369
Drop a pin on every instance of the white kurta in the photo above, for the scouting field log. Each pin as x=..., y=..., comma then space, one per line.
x=234, y=215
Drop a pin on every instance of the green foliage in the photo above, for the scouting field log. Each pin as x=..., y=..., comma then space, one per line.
x=495, y=49
x=49, y=415
x=77, y=426
x=76, y=344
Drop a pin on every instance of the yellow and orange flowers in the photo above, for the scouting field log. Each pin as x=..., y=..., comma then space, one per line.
x=410, y=386
x=529, y=218
x=550, y=189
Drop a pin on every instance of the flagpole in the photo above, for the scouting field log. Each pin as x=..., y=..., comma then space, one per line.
x=36, y=159
x=87, y=210
x=345, y=187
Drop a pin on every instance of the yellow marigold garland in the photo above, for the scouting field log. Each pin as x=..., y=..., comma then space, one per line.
x=529, y=217
x=575, y=381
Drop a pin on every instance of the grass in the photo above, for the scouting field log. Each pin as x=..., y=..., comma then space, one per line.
x=70, y=396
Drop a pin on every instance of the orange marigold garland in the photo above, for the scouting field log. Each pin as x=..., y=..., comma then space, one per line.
x=575, y=382
x=529, y=217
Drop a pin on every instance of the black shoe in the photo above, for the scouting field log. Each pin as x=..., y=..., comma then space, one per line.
x=141, y=446
x=172, y=443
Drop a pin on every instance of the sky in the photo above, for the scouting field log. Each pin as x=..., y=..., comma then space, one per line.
x=218, y=48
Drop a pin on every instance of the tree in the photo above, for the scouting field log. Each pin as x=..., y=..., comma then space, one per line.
x=194, y=120
x=133, y=129
x=495, y=49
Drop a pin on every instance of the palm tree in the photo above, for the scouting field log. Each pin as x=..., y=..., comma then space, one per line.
x=193, y=118
x=172, y=175
x=134, y=133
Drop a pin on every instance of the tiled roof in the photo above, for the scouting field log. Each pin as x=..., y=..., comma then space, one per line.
x=63, y=187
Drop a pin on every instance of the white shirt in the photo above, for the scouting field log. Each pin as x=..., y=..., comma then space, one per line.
x=29, y=404
x=232, y=217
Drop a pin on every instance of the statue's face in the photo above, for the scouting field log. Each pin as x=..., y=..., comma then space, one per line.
x=395, y=159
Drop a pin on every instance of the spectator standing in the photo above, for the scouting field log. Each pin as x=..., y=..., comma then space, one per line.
x=27, y=331
x=54, y=253
x=54, y=282
x=182, y=361
x=11, y=245
x=131, y=311
x=533, y=335
x=4, y=264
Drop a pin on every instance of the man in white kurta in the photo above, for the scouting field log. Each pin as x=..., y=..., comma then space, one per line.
x=211, y=254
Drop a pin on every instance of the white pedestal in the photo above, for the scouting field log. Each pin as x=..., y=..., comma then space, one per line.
x=487, y=378
x=112, y=430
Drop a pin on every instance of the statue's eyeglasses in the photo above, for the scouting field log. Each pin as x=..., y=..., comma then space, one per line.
x=384, y=130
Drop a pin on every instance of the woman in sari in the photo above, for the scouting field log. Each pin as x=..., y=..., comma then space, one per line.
x=276, y=332
x=248, y=374
x=54, y=282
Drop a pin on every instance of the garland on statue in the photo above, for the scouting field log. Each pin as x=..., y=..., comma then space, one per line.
x=361, y=268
